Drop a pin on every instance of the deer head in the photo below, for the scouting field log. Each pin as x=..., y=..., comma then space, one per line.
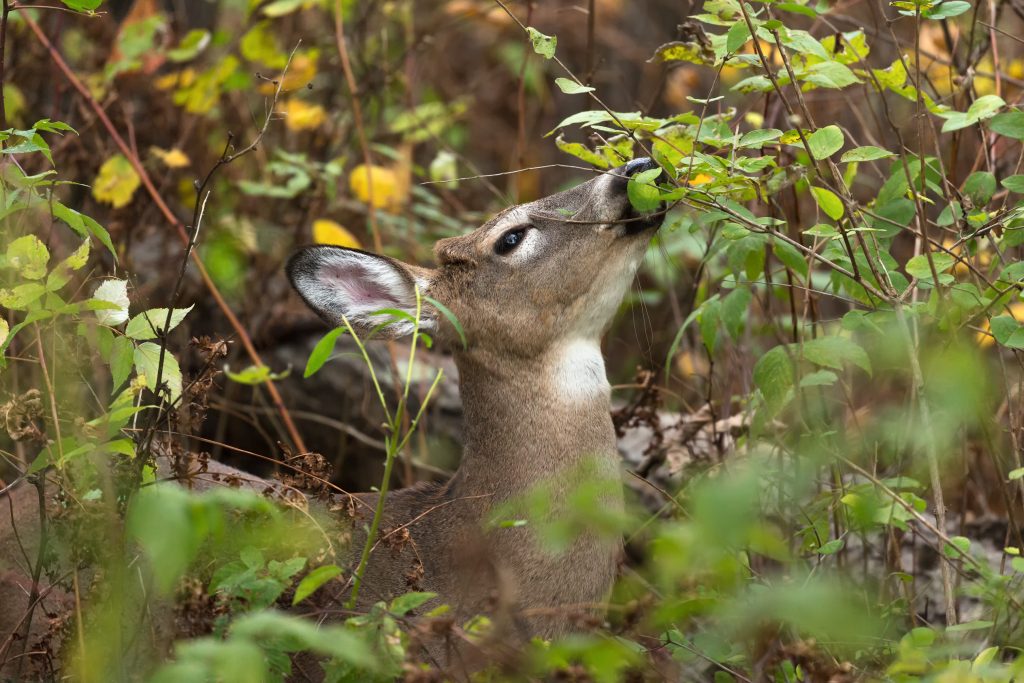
x=536, y=275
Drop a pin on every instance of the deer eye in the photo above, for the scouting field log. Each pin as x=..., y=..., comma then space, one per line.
x=509, y=241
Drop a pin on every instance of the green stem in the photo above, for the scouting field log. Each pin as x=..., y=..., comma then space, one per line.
x=394, y=447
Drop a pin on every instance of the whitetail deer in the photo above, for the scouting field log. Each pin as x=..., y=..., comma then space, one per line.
x=533, y=289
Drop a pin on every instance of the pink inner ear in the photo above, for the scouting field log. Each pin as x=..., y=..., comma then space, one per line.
x=359, y=285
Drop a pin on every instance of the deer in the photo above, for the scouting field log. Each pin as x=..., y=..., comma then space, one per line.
x=534, y=289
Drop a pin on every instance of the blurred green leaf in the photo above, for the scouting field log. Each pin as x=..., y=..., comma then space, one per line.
x=314, y=580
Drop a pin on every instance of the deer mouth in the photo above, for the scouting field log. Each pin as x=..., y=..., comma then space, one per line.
x=635, y=223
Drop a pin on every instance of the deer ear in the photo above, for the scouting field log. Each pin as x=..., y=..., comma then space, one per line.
x=337, y=282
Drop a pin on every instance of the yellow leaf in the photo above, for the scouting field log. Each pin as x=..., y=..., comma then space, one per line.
x=378, y=186
x=700, y=179
x=326, y=231
x=176, y=79
x=300, y=73
x=116, y=182
x=302, y=116
x=5, y=330
x=1015, y=69
x=172, y=158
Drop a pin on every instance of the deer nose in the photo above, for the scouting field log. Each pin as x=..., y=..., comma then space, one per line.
x=640, y=165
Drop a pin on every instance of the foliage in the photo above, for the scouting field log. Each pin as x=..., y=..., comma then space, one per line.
x=838, y=282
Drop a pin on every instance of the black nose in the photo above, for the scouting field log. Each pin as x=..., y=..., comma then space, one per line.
x=640, y=165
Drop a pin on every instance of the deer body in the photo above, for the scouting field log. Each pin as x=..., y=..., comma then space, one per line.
x=508, y=425
x=534, y=289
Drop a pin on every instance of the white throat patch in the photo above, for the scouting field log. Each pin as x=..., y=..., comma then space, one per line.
x=578, y=374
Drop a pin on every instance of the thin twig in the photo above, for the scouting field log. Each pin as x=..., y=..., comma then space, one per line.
x=3, y=60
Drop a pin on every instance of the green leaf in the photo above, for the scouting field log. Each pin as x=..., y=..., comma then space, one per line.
x=194, y=42
x=678, y=51
x=828, y=201
x=404, y=604
x=983, y=108
x=822, y=230
x=31, y=141
x=773, y=375
x=945, y=10
x=1016, y=474
x=314, y=580
x=279, y=8
x=830, y=75
x=1007, y=331
x=570, y=87
x=21, y=296
x=961, y=543
x=61, y=274
x=1010, y=124
x=450, y=317
x=1014, y=183
x=818, y=378
x=733, y=312
x=147, y=361
x=255, y=374
x=83, y=5
x=977, y=625
x=986, y=656
x=49, y=126
x=643, y=193
x=259, y=44
x=980, y=186
x=710, y=314
x=83, y=225
x=28, y=256
x=866, y=153
x=804, y=43
x=542, y=44
x=581, y=151
x=834, y=352
x=322, y=351
x=150, y=324
x=825, y=142
x=738, y=35
x=122, y=357
x=830, y=548
x=790, y=256
x=918, y=266
x=757, y=138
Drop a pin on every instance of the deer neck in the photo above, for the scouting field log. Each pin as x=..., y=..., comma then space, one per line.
x=528, y=421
